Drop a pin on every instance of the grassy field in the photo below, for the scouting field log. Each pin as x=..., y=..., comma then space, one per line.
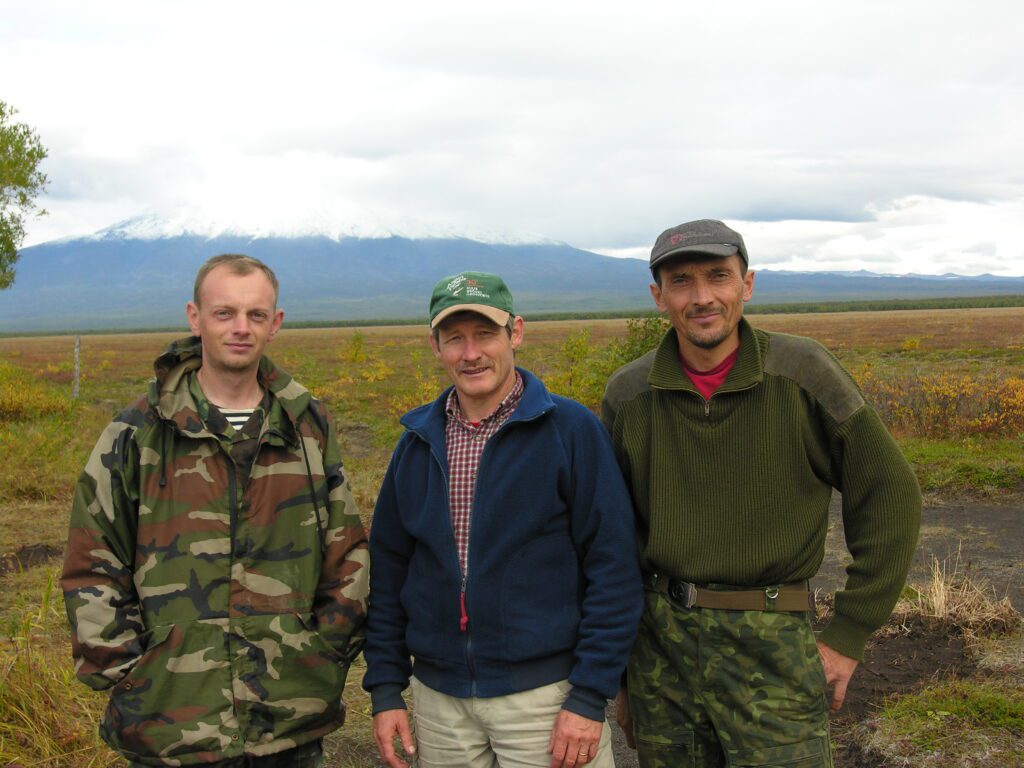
x=949, y=383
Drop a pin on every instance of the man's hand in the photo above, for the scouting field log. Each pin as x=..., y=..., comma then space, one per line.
x=574, y=740
x=387, y=725
x=838, y=670
x=624, y=717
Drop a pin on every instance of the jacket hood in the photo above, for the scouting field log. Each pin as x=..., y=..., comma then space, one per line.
x=170, y=396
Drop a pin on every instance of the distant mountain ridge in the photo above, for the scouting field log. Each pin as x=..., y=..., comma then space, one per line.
x=124, y=278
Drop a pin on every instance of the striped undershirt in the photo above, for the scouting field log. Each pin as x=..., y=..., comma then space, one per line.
x=236, y=416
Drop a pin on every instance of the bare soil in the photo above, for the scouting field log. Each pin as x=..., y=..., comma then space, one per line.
x=27, y=557
x=989, y=538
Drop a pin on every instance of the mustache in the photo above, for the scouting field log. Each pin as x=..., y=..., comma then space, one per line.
x=701, y=311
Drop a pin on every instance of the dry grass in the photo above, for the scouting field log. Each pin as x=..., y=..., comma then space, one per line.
x=954, y=600
x=46, y=717
x=994, y=328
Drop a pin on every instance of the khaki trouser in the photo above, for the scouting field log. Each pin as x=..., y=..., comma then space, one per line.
x=501, y=732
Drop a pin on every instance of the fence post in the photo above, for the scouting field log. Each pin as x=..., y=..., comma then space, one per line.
x=78, y=348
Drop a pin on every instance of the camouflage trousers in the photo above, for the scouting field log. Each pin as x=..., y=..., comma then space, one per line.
x=307, y=756
x=726, y=688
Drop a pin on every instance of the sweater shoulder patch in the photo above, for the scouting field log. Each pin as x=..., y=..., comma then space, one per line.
x=816, y=371
x=624, y=385
x=630, y=380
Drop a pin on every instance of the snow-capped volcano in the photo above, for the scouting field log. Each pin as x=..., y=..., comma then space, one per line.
x=308, y=223
x=138, y=273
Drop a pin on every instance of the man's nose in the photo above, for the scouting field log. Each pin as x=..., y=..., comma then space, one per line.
x=240, y=325
x=702, y=292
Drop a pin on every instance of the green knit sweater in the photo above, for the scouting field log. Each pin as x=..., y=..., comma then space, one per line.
x=735, y=489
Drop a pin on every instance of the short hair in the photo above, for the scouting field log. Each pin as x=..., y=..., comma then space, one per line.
x=238, y=264
x=464, y=314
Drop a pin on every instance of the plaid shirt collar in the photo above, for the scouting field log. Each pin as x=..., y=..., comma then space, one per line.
x=500, y=415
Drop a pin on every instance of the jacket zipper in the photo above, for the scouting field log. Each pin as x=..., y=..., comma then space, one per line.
x=463, y=616
x=464, y=627
x=232, y=505
x=233, y=528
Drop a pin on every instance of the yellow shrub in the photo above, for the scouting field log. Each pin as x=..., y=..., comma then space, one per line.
x=947, y=405
x=419, y=389
x=22, y=397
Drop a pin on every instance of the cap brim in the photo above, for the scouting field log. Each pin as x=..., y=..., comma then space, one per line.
x=715, y=250
x=497, y=316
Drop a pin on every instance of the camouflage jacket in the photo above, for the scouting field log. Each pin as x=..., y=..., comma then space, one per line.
x=215, y=580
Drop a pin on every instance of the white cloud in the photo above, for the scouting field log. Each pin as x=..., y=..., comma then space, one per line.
x=826, y=130
x=915, y=234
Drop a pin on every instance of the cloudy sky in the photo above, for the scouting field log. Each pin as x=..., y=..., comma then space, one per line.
x=877, y=135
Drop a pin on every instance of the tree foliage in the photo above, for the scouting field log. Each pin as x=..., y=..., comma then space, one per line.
x=21, y=181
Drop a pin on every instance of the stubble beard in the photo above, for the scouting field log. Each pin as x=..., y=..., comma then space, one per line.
x=708, y=340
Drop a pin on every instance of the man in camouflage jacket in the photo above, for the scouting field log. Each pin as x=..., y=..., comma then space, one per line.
x=216, y=578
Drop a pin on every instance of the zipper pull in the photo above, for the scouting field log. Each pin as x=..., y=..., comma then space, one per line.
x=707, y=407
x=463, y=617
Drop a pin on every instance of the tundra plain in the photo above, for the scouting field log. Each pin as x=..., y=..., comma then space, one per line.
x=949, y=384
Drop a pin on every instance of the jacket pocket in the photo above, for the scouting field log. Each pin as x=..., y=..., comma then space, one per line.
x=173, y=692
x=813, y=753
x=292, y=676
x=665, y=750
x=151, y=640
x=319, y=642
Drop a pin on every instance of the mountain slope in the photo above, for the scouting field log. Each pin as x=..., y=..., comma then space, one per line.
x=117, y=279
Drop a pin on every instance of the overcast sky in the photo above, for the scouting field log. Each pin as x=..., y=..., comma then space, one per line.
x=880, y=135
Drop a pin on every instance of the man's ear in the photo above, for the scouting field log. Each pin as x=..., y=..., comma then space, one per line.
x=278, y=319
x=517, y=331
x=656, y=295
x=748, y=286
x=192, y=313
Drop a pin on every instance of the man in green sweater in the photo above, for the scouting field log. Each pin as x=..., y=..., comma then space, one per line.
x=731, y=440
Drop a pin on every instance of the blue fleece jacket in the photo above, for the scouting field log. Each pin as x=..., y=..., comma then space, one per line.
x=553, y=589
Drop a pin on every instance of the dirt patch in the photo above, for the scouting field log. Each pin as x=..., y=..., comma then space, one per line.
x=986, y=536
x=902, y=661
x=28, y=556
x=898, y=660
x=356, y=439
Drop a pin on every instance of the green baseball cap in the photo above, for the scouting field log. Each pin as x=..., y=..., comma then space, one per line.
x=479, y=292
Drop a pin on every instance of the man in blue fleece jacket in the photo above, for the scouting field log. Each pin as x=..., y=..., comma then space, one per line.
x=503, y=560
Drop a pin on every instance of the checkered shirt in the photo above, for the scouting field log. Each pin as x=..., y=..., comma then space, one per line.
x=464, y=442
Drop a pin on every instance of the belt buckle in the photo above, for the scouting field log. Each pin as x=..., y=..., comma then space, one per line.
x=684, y=592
